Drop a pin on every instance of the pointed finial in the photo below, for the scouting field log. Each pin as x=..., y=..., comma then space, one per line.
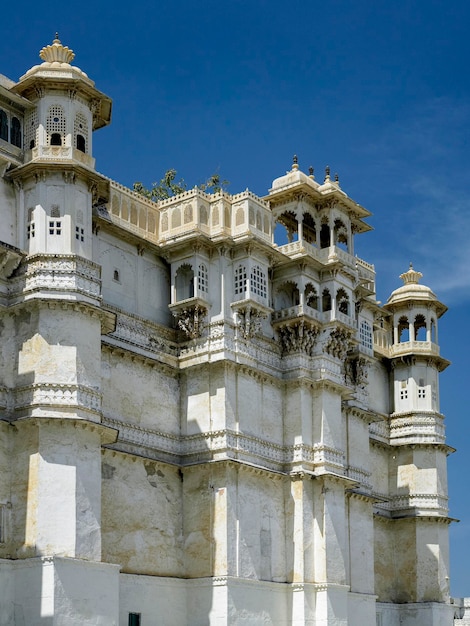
x=310, y=172
x=327, y=173
x=295, y=163
x=56, y=40
x=336, y=178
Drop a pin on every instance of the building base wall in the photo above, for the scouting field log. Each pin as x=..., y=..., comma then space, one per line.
x=415, y=614
x=56, y=591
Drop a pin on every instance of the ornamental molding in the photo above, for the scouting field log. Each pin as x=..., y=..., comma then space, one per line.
x=58, y=396
x=52, y=273
x=228, y=445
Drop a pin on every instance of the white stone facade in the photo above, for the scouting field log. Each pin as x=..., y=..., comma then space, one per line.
x=199, y=425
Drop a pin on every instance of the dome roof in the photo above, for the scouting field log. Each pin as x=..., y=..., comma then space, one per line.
x=56, y=58
x=412, y=291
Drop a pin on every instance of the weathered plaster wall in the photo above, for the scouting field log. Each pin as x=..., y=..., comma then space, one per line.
x=142, y=512
x=139, y=394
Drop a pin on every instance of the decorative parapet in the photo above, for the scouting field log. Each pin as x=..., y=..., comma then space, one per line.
x=60, y=154
x=380, y=431
x=414, y=347
x=144, y=335
x=417, y=504
x=131, y=211
x=422, y=427
x=53, y=274
x=66, y=400
x=228, y=445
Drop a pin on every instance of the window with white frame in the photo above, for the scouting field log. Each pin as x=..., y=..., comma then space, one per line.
x=240, y=280
x=258, y=283
x=202, y=278
x=365, y=334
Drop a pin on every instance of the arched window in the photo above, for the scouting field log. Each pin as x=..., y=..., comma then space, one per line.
x=56, y=139
x=202, y=278
x=80, y=130
x=240, y=280
x=258, y=284
x=342, y=301
x=3, y=125
x=287, y=295
x=15, y=137
x=403, y=329
x=309, y=229
x=55, y=125
x=341, y=235
x=184, y=282
x=81, y=145
x=420, y=328
x=325, y=236
x=326, y=300
x=311, y=296
x=286, y=228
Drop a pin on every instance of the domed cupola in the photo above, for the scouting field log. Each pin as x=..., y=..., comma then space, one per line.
x=68, y=108
x=415, y=310
x=414, y=350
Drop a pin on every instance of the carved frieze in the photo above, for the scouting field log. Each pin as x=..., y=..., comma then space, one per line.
x=339, y=343
x=298, y=336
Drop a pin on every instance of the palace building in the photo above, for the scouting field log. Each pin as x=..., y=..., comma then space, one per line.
x=203, y=421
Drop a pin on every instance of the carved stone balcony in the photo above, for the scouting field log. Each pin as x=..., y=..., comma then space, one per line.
x=250, y=311
x=190, y=316
x=60, y=153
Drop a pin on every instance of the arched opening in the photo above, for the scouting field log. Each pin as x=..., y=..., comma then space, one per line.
x=403, y=330
x=325, y=236
x=56, y=139
x=287, y=295
x=16, y=132
x=309, y=229
x=184, y=282
x=342, y=301
x=81, y=144
x=3, y=125
x=326, y=300
x=311, y=296
x=341, y=235
x=32, y=144
x=286, y=229
x=420, y=328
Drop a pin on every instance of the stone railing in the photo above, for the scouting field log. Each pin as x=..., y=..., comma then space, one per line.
x=59, y=153
x=297, y=311
x=132, y=212
x=417, y=347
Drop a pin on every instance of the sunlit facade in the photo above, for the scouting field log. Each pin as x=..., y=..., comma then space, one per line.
x=206, y=415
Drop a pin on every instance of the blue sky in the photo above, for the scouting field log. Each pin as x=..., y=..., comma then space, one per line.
x=378, y=90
